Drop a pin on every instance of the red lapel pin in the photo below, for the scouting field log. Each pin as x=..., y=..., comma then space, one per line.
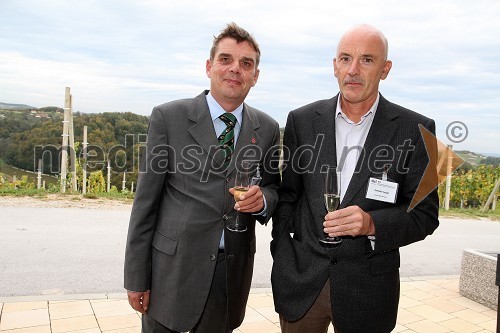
x=254, y=140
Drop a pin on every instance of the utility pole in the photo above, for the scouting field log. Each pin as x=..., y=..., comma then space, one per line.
x=72, y=151
x=84, y=166
x=109, y=178
x=39, y=177
x=492, y=199
x=123, y=182
x=64, y=147
x=449, y=169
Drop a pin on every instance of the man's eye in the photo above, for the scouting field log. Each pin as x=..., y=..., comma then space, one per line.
x=247, y=64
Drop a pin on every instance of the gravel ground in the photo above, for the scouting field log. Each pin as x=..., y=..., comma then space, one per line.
x=64, y=201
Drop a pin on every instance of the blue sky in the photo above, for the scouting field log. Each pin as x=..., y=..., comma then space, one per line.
x=132, y=55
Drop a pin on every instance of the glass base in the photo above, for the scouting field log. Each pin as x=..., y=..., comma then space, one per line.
x=331, y=240
x=237, y=228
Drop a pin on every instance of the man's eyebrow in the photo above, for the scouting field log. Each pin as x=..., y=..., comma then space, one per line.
x=224, y=55
x=248, y=59
x=344, y=54
x=365, y=55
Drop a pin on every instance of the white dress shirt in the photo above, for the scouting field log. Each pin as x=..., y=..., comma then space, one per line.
x=350, y=139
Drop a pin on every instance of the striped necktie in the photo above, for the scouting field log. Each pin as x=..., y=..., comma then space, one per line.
x=226, y=138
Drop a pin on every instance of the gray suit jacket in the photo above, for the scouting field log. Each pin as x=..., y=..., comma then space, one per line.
x=182, y=204
x=364, y=282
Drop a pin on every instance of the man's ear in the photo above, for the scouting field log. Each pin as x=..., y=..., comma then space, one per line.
x=386, y=70
x=208, y=68
x=256, y=77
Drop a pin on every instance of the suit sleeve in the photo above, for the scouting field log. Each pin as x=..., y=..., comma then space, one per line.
x=395, y=226
x=271, y=177
x=291, y=187
x=152, y=176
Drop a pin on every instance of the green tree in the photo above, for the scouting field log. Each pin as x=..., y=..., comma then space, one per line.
x=96, y=183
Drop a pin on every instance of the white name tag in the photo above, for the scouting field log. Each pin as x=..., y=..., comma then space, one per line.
x=382, y=190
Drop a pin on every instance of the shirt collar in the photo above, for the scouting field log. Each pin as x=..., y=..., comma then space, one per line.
x=216, y=110
x=369, y=113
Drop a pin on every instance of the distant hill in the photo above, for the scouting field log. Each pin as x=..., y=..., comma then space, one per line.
x=470, y=157
x=8, y=106
x=24, y=134
x=476, y=159
x=491, y=154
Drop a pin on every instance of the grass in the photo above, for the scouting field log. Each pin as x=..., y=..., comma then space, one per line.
x=9, y=171
x=471, y=213
x=4, y=192
x=124, y=197
x=468, y=213
x=111, y=195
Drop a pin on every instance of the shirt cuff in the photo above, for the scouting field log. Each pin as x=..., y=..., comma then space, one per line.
x=263, y=212
x=372, y=241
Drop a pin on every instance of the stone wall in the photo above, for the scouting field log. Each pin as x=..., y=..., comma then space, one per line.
x=477, y=277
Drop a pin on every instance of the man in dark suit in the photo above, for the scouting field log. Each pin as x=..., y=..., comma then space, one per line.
x=184, y=270
x=373, y=142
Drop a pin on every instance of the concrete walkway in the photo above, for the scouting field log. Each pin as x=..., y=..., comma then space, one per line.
x=427, y=305
x=59, y=259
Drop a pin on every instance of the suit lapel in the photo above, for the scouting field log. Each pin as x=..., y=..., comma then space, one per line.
x=381, y=131
x=323, y=127
x=203, y=131
x=248, y=136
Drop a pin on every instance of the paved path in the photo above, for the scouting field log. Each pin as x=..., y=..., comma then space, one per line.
x=47, y=251
x=427, y=305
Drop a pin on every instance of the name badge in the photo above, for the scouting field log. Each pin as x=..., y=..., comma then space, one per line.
x=382, y=190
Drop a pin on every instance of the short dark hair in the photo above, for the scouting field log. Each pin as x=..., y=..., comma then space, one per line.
x=237, y=33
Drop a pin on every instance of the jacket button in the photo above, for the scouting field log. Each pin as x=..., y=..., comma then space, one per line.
x=228, y=179
x=213, y=257
x=225, y=217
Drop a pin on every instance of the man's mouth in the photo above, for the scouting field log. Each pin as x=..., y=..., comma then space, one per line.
x=232, y=82
x=355, y=83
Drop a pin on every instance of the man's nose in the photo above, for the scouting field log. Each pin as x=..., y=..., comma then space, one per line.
x=235, y=67
x=354, y=68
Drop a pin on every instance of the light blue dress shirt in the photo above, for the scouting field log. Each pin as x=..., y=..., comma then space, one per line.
x=215, y=111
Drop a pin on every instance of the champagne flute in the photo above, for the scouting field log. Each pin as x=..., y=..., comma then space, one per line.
x=332, y=199
x=241, y=186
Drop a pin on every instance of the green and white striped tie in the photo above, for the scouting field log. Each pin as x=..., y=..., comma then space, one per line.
x=226, y=138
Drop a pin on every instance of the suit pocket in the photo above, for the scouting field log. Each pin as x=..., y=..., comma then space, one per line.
x=384, y=262
x=164, y=244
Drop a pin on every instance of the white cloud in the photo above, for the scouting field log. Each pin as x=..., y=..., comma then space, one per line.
x=131, y=55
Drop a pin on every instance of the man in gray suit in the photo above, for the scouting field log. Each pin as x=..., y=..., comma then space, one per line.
x=381, y=157
x=184, y=270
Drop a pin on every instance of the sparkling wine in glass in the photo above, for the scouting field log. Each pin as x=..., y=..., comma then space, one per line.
x=332, y=199
x=241, y=186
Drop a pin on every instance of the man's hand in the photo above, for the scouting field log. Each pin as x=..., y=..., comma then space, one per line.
x=349, y=221
x=251, y=202
x=139, y=300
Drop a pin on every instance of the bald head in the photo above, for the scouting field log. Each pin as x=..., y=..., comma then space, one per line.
x=365, y=33
x=359, y=65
